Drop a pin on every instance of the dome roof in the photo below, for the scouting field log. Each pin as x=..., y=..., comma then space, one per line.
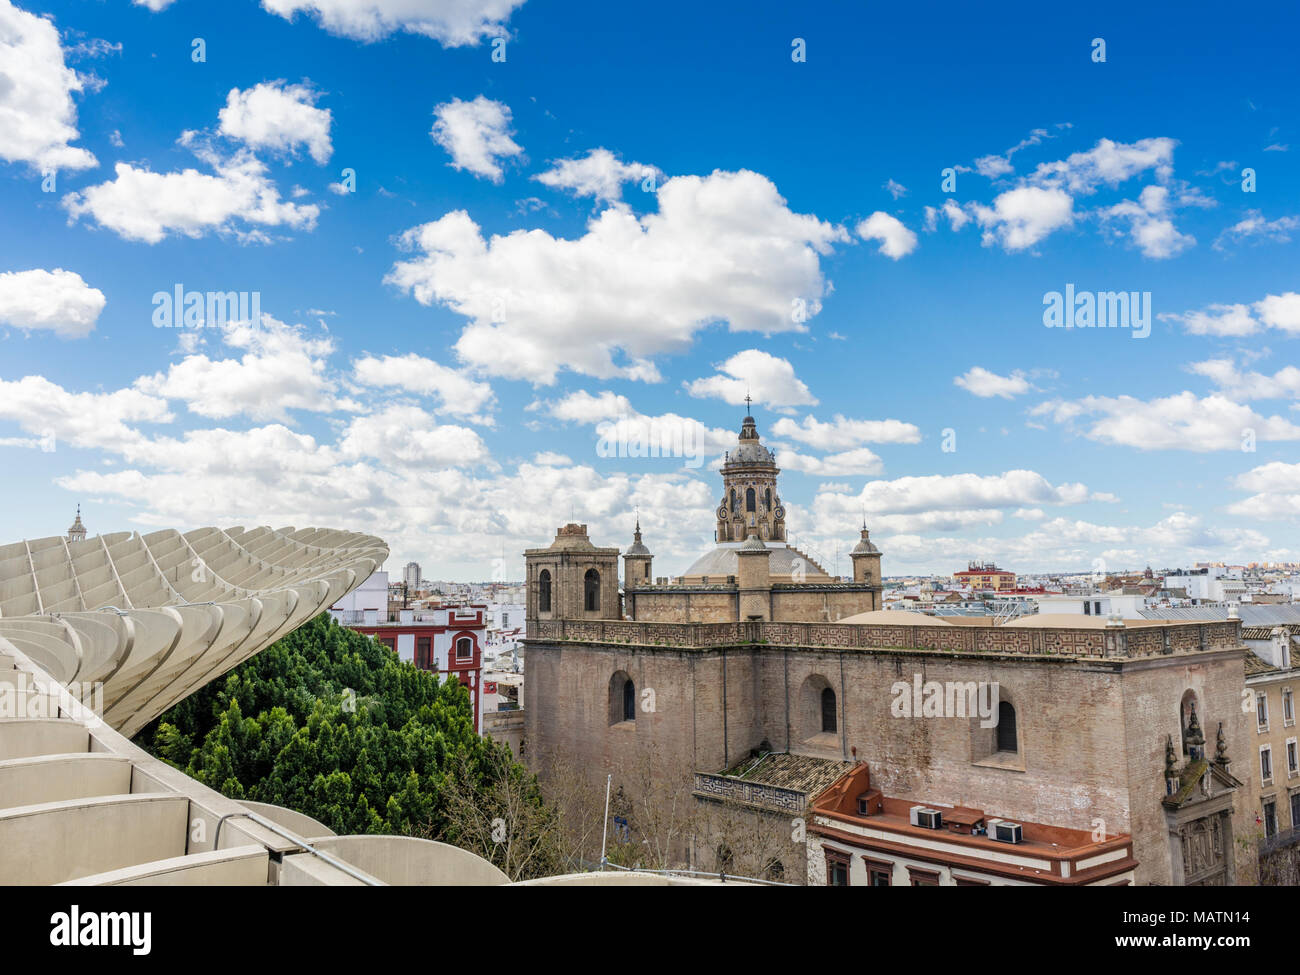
x=720, y=562
x=865, y=547
x=751, y=453
x=749, y=449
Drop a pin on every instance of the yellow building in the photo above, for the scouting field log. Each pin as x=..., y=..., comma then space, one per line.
x=985, y=575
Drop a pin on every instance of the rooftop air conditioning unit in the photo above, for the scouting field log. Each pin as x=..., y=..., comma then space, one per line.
x=925, y=817
x=1005, y=832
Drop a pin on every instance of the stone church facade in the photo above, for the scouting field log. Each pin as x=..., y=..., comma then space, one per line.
x=749, y=651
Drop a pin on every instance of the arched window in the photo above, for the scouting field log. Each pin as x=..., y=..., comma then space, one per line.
x=1007, y=727
x=464, y=648
x=828, y=710
x=749, y=499
x=622, y=698
x=544, y=592
x=629, y=700
x=591, y=589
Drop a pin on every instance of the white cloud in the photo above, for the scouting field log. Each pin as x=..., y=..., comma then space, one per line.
x=457, y=393
x=1280, y=311
x=985, y=384
x=1180, y=422
x=476, y=134
x=281, y=369
x=619, y=423
x=146, y=206
x=280, y=117
x=1272, y=311
x=993, y=166
x=721, y=248
x=957, y=492
x=769, y=379
x=154, y=5
x=952, y=211
x=599, y=174
x=1276, y=496
x=1255, y=226
x=842, y=433
x=408, y=436
x=943, y=503
x=57, y=300
x=37, y=115
x=1020, y=218
x=42, y=408
x=1150, y=227
x=895, y=239
x=581, y=406
x=1044, y=201
x=549, y=458
x=846, y=463
x=453, y=23
x=1239, y=385
x=1224, y=320
x=1109, y=162
x=895, y=189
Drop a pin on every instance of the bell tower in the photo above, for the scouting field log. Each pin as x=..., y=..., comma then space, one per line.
x=636, y=561
x=572, y=579
x=750, y=502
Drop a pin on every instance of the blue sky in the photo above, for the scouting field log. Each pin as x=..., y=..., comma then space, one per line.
x=635, y=215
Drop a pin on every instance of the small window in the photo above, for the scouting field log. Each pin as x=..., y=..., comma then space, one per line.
x=750, y=504
x=1288, y=707
x=1261, y=709
x=464, y=648
x=629, y=701
x=1295, y=809
x=1291, y=764
x=544, y=592
x=923, y=878
x=1087, y=609
x=837, y=869
x=591, y=590
x=1266, y=763
x=1007, y=741
x=880, y=873
x=767, y=500
x=829, y=711
x=1270, y=818
x=422, y=654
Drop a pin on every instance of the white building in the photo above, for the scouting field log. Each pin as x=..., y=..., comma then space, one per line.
x=411, y=575
x=367, y=604
x=1092, y=604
